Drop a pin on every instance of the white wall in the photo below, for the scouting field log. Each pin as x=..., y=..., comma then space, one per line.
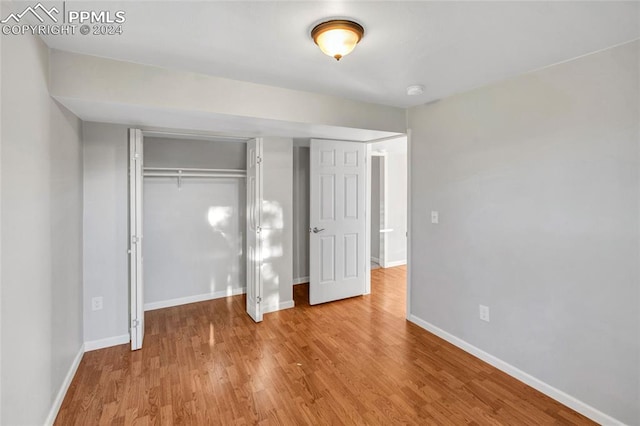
x=396, y=240
x=41, y=199
x=277, y=223
x=106, y=263
x=537, y=183
x=301, y=211
x=193, y=240
x=208, y=154
x=193, y=235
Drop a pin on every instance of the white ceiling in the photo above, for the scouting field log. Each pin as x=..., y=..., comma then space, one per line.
x=449, y=47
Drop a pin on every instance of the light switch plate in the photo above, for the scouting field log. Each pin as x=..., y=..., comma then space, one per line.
x=435, y=217
x=484, y=313
x=96, y=303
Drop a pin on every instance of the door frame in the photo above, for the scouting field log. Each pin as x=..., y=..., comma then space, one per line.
x=367, y=216
x=407, y=308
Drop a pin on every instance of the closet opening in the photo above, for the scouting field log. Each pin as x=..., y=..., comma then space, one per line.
x=194, y=207
x=209, y=217
x=187, y=221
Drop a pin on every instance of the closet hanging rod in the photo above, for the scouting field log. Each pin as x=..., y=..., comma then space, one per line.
x=195, y=175
x=192, y=170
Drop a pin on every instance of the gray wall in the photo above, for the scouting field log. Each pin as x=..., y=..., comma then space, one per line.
x=2, y=10
x=376, y=208
x=536, y=181
x=301, y=211
x=106, y=267
x=277, y=222
x=193, y=235
x=41, y=312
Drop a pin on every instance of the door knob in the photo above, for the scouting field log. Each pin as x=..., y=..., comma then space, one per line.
x=316, y=230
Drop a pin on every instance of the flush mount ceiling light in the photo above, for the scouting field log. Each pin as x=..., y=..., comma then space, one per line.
x=338, y=37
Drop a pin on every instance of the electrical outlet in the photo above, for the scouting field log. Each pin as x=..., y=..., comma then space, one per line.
x=96, y=303
x=484, y=313
x=435, y=217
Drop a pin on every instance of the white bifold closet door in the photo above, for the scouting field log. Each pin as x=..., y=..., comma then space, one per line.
x=338, y=262
x=136, y=276
x=254, y=229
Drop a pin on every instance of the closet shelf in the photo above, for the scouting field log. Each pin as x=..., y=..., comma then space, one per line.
x=168, y=172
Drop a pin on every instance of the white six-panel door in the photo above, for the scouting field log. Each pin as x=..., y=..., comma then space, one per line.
x=338, y=226
x=254, y=223
x=136, y=285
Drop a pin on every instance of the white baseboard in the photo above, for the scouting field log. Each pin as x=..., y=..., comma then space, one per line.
x=375, y=259
x=286, y=305
x=92, y=345
x=560, y=396
x=193, y=299
x=278, y=307
x=301, y=280
x=395, y=263
x=57, y=403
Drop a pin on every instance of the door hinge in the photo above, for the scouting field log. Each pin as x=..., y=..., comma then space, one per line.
x=258, y=159
x=134, y=239
x=259, y=299
x=135, y=323
x=258, y=229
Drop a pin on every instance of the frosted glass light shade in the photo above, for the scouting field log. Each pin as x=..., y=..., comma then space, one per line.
x=337, y=38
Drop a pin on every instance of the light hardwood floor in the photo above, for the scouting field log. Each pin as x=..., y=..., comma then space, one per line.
x=356, y=361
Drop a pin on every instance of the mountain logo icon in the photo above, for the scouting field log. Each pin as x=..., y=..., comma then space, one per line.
x=39, y=11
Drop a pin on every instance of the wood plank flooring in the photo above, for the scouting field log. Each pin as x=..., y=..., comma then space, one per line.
x=356, y=361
